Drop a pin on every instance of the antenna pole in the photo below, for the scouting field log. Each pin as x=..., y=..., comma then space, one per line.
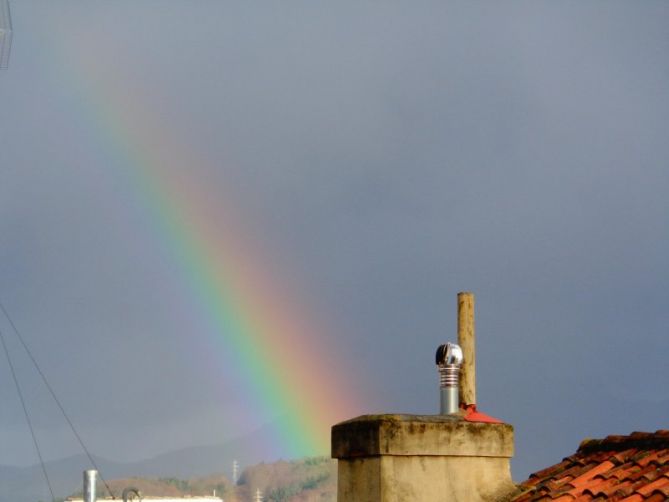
x=467, y=342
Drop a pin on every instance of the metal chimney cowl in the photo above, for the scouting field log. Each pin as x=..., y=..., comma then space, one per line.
x=449, y=359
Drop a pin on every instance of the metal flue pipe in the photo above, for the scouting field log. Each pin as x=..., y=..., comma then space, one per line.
x=90, y=480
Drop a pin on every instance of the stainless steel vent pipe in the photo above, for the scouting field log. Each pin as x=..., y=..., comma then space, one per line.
x=90, y=479
x=449, y=359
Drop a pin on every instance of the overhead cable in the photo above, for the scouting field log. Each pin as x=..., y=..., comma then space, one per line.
x=53, y=395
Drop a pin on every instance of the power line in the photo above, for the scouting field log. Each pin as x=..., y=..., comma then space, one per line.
x=53, y=395
x=25, y=412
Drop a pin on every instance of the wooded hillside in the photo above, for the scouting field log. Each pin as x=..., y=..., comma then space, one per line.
x=306, y=480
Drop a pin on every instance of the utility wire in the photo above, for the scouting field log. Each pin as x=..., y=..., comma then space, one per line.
x=55, y=398
x=25, y=412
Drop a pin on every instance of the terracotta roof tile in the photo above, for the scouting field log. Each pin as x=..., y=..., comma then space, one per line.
x=591, y=473
x=656, y=485
x=632, y=468
x=554, y=469
x=623, y=490
x=633, y=498
x=601, y=488
x=621, y=457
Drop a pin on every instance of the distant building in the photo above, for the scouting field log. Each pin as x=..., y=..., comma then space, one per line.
x=162, y=499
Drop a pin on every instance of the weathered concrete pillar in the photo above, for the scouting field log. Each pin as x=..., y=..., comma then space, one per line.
x=434, y=458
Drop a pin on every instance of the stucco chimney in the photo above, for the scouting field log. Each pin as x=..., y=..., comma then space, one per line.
x=430, y=458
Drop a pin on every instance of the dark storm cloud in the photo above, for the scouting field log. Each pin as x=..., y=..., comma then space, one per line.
x=393, y=154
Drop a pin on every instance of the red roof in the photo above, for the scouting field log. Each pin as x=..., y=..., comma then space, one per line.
x=630, y=468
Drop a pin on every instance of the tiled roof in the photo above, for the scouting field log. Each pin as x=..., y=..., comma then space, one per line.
x=630, y=468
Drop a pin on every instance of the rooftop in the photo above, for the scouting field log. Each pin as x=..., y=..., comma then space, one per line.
x=630, y=468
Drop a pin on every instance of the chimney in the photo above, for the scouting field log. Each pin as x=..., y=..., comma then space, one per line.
x=460, y=454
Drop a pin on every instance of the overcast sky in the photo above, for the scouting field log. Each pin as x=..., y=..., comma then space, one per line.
x=386, y=155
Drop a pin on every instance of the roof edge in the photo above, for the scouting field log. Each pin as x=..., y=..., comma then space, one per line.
x=657, y=439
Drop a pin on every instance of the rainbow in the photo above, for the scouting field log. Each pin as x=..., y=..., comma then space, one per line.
x=279, y=354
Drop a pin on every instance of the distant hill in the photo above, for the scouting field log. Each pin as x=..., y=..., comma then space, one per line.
x=306, y=480
x=167, y=487
x=26, y=484
x=217, y=458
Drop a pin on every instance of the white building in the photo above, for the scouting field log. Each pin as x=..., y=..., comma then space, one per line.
x=208, y=498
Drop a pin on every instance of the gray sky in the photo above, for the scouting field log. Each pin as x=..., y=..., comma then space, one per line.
x=386, y=155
